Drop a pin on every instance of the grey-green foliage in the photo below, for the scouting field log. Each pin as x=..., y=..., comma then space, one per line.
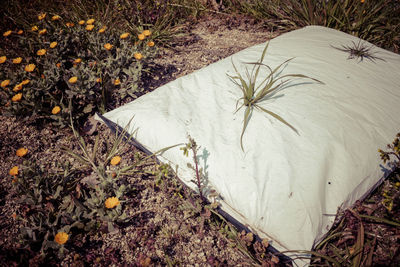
x=97, y=71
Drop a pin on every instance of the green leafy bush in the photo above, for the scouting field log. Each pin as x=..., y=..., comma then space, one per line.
x=57, y=203
x=83, y=64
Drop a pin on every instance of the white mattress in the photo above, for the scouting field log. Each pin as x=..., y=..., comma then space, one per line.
x=284, y=186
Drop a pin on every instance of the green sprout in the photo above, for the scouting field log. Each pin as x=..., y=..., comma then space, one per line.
x=252, y=95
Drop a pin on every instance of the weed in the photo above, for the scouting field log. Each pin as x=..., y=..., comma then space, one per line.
x=253, y=95
x=358, y=51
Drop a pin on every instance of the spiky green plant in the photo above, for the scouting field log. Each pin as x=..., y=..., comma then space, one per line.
x=253, y=95
x=359, y=51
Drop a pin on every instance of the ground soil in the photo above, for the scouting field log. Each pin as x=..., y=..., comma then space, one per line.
x=164, y=228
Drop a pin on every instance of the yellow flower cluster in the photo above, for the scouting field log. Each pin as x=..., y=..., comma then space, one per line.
x=111, y=202
x=3, y=59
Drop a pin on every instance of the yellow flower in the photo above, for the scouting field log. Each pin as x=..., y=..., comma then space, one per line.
x=44, y=31
x=102, y=29
x=22, y=152
x=81, y=22
x=89, y=27
x=17, y=87
x=115, y=160
x=17, y=97
x=141, y=36
x=5, y=83
x=61, y=238
x=14, y=171
x=124, y=35
x=111, y=202
x=25, y=82
x=78, y=60
x=20, y=32
x=7, y=33
x=69, y=24
x=108, y=46
x=53, y=44
x=55, y=110
x=73, y=79
x=150, y=43
x=35, y=28
x=30, y=67
x=42, y=16
x=362, y=1
x=41, y=52
x=98, y=80
x=90, y=21
x=17, y=60
x=138, y=56
x=146, y=33
x=397, y=184
x=117, y=82
x=3, y=59
x=55, y=17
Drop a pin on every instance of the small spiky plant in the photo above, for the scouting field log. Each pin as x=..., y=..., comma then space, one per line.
x=358, y=51
x=252, y=95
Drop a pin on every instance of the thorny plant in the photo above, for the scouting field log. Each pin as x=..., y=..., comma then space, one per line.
x=358, y=51
x=254, y=94
x=200, y=179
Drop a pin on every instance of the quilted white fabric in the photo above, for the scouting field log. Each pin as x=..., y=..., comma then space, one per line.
x=284, y=186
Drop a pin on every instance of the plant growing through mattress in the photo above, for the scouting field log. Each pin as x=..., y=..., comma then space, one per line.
x=192, y=146
x=358, y=51
x=254, y=92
